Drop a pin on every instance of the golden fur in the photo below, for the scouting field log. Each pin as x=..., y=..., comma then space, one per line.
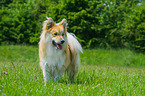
x=58, y=51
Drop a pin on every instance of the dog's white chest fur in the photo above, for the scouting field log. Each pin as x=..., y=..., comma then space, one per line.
x=55, y=62
x=54, y=57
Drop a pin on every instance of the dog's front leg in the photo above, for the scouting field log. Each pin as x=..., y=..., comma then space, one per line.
x=46, y=72
x=56, y=73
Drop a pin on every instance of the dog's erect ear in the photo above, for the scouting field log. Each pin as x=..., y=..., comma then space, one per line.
x=50, y=22
x=64, y=23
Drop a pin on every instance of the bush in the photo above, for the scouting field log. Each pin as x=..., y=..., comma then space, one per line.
x=96, y=23
x=101, y=23
x=133, y=30
x=20, y=22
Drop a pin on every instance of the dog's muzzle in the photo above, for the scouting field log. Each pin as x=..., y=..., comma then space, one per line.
x=58, y=45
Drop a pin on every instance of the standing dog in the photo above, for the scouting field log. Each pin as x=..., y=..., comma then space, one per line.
x=58, y=51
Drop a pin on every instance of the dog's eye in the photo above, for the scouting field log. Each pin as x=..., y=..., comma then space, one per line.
x=55, y=34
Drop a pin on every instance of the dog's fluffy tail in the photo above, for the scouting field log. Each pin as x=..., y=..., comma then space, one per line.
x=73, y=43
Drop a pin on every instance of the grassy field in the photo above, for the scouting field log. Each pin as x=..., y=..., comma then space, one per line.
x=118, y=72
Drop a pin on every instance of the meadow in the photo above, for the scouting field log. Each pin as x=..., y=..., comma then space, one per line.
x=103, y=72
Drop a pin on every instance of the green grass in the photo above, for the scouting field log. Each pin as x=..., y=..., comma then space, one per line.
x=103, y=72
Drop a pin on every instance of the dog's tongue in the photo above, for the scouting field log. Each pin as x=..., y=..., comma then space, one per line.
x=59, y=46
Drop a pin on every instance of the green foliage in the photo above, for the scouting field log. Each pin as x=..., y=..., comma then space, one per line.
x=101, y=23
x=133, y=29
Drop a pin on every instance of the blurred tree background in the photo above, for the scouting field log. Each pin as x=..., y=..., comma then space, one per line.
x=96, y=23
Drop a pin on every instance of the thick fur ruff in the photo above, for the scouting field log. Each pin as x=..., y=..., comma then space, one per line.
x=58, y=51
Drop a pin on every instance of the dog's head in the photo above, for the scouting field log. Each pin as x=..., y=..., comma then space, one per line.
x=57, y=32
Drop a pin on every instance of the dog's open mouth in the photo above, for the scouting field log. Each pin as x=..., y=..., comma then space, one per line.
x=58, y=46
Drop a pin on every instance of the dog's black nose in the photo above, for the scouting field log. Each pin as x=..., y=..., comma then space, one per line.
x=62, y=41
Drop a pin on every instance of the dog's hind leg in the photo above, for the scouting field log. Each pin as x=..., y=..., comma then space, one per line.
x=71, y=72
x=74, y=66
